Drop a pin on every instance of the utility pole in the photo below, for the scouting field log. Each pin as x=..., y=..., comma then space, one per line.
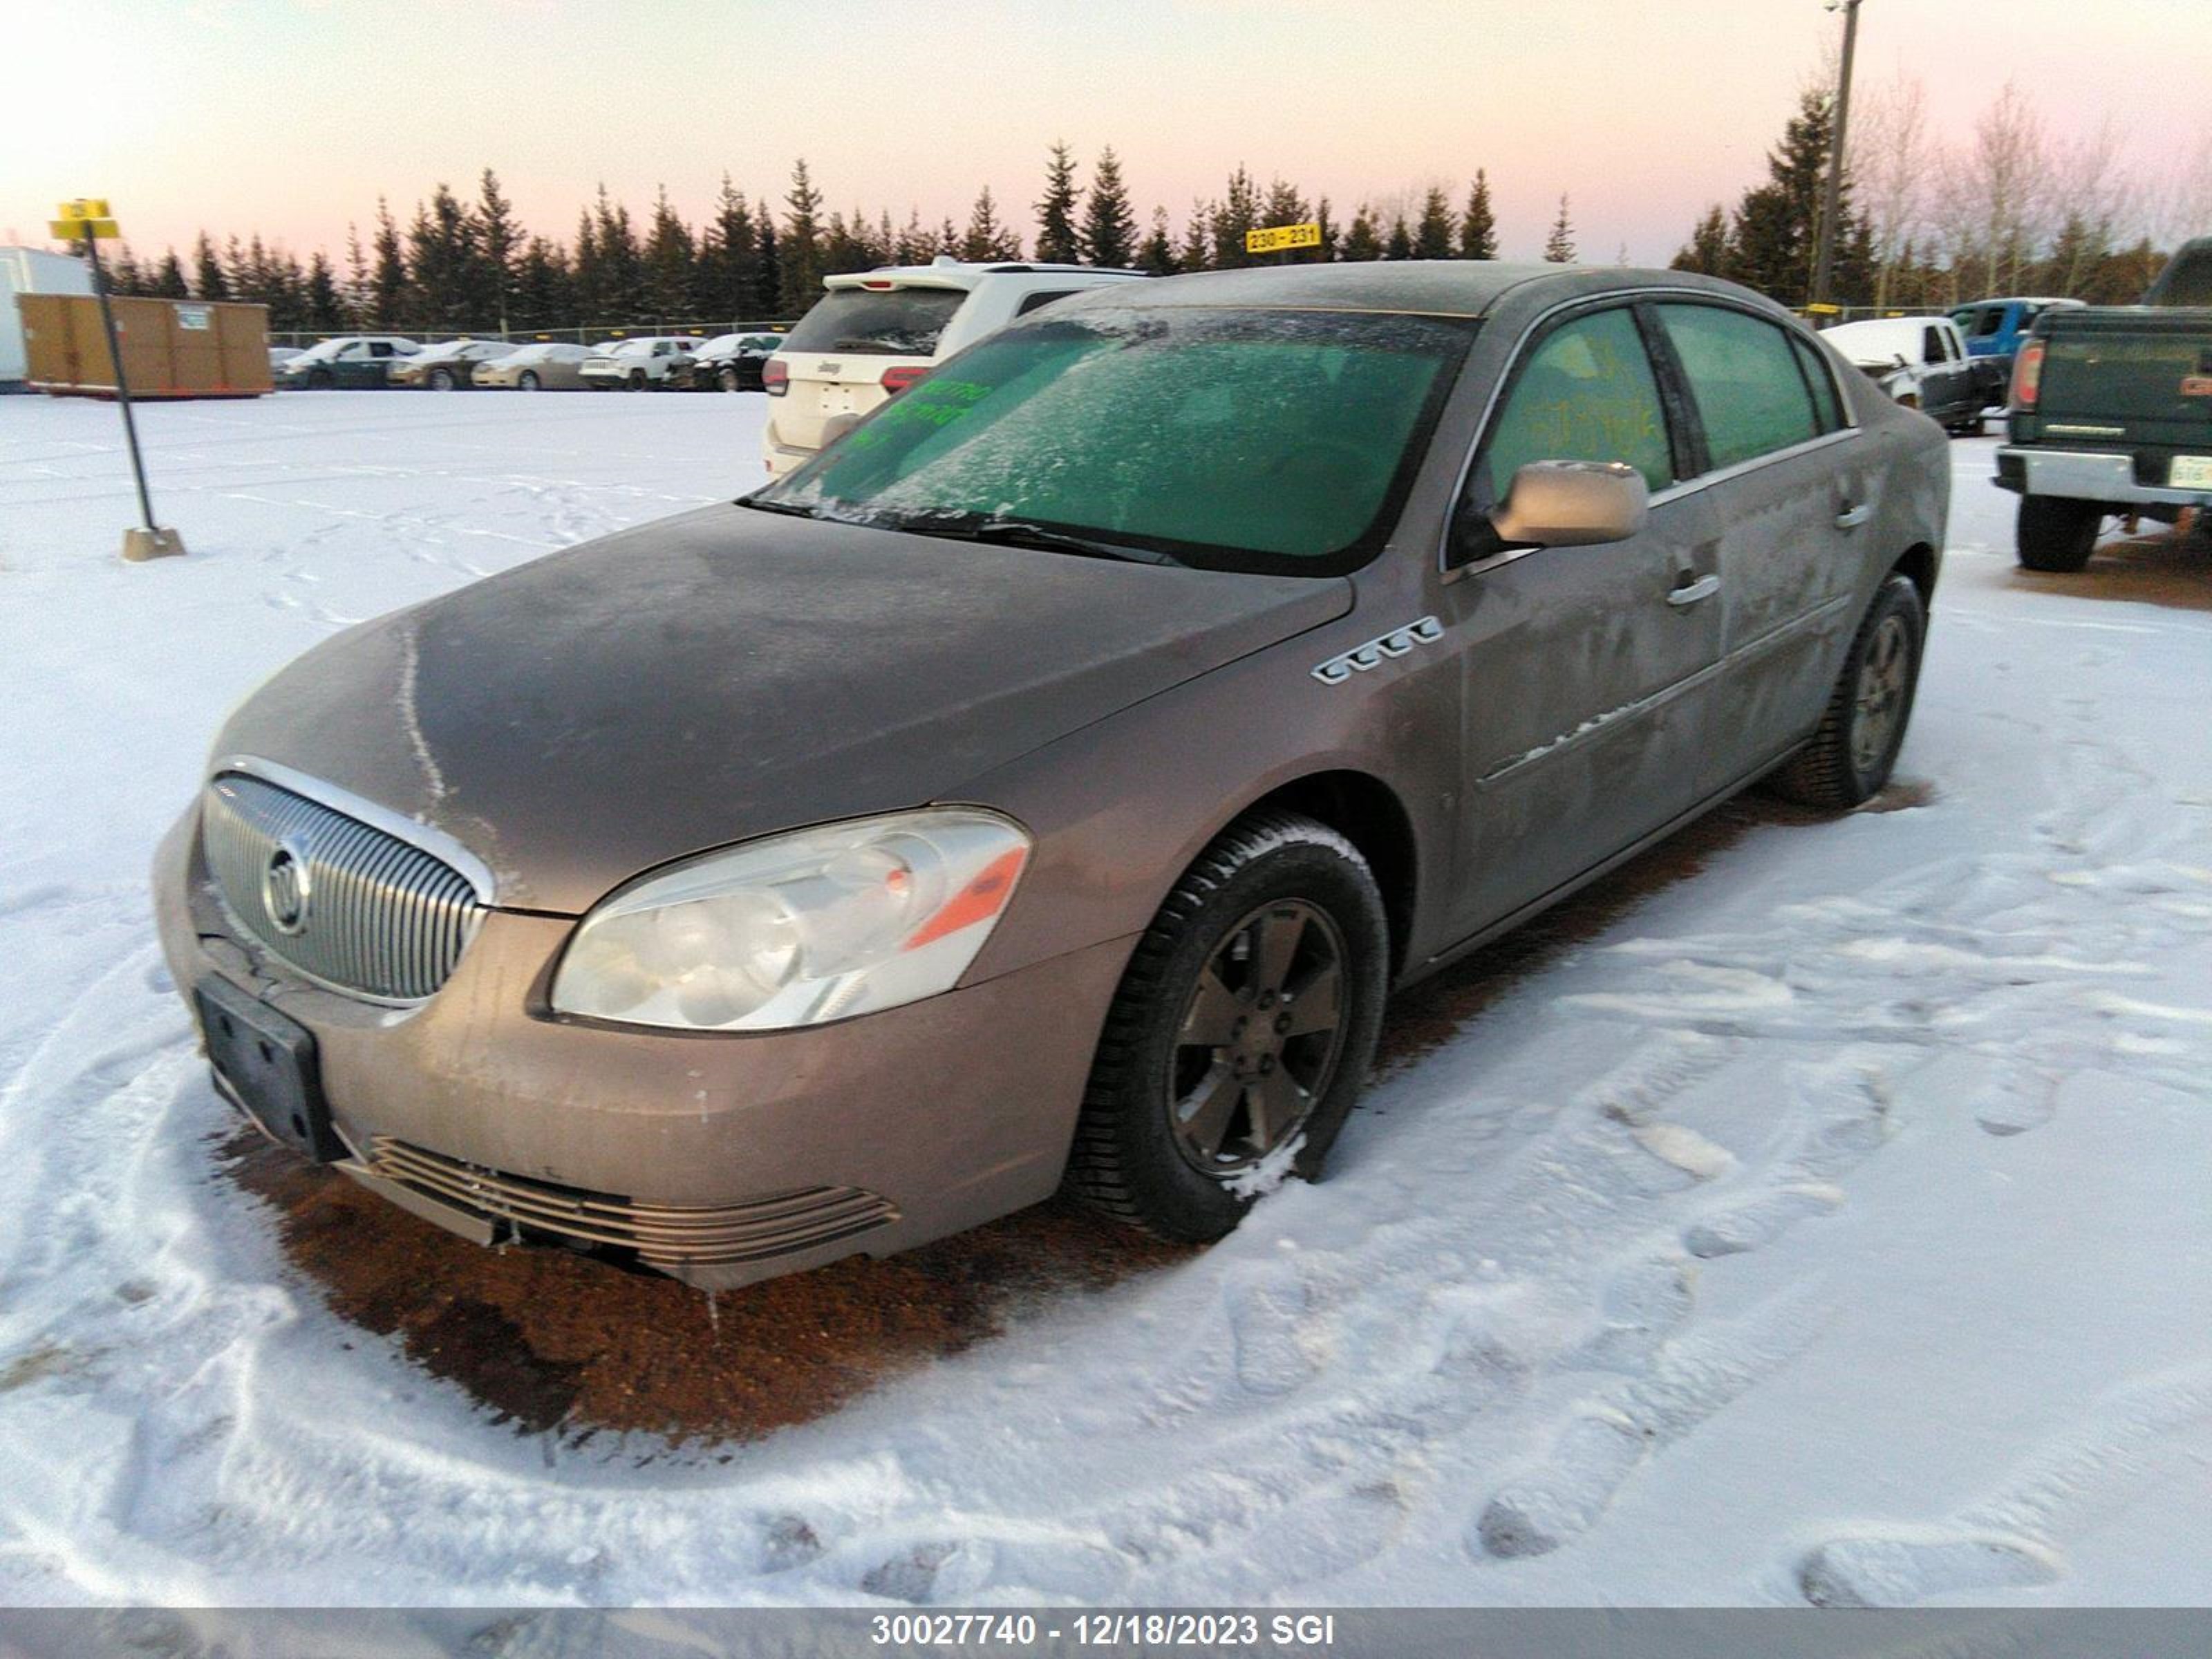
x=1823, y=259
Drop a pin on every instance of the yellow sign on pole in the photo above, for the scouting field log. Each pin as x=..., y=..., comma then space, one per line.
x=1279, y=238
x=87, y=216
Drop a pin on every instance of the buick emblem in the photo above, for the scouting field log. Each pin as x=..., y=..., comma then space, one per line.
x=287, y=887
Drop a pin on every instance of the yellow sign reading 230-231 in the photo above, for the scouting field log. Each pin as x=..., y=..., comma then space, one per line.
x=1274, y=238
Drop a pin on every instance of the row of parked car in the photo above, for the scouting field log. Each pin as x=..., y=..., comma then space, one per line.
x=726, y=362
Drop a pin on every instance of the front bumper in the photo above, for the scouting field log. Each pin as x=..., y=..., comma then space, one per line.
x=721, y=1159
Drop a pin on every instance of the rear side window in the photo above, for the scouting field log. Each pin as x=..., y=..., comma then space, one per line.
x=1586, y=393
x=1744, y=379
x=1031, y=302
x=900, y=322
x=1826, y=404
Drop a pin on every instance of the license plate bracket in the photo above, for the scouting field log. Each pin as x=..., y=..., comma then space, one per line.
x=267, y=1064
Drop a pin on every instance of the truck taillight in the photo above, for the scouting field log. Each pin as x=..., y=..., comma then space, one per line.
x=897, y=380
x=775, y=378
x=2027, y=375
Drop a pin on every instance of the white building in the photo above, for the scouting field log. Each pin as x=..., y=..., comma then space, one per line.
x=30, y=270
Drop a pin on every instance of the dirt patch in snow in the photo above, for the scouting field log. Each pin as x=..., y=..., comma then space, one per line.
x=550, y=1340
x=2168, y=567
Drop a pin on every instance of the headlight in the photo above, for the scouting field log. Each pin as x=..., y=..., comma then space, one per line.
x=800, y=928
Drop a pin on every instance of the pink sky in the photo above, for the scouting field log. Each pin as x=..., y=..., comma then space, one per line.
x=289, y=117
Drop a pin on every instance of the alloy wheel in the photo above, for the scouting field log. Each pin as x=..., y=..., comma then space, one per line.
x=1260, y=1038
x=1879, y=703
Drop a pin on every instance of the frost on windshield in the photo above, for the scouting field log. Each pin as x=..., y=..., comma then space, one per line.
x=1280, y=433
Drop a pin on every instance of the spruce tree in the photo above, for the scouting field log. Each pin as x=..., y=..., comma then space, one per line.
x=622, y=264
x=1360, y=242
x=208, y=282
x=987, y=239
x=1560, y=246
x=1110, y=224
x=1196, y=252
x=499, y=239
x=1057, y=241
x=544, y=288
x=168, y=281
x=1432, y=237
x=1283, y=205
x=587, y=279
x=729, y=258
x=1478, y=226
x=322, y=307
x=798, y=249
x=1777, y=224
x=1236, y=212
x=1157, y=257
x=1401, y=245
x=1706, y=252
x=669, y=254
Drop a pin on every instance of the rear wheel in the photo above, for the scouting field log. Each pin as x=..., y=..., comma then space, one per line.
x=1241, y=1034
x=528, y=381
x=2057, y=534
x=1848, y=760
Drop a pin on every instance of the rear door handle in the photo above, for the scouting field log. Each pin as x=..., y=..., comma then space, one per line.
x=1690, y=592
x=1852, y=517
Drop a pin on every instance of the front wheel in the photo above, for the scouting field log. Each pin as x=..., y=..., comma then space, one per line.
x=2057, y=534
x=441, y=379
x=635, y=382
x=1850, y=757
x=1241, y=1032
x=727, y=380
x=528, y=381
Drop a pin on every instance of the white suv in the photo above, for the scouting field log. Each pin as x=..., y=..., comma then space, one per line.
x=634, y=365
x=874, y=333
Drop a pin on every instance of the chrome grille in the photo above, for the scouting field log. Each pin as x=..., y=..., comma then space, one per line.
x=375, y=916
x=669, y=1236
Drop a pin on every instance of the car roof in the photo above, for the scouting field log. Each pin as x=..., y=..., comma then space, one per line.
x=1435, y=288
x=966, y=274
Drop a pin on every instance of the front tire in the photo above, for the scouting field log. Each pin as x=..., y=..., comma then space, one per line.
x=528, y=381
x=727, y=380
x=1244, y=1025
x=441, y=379
x=2056, y=534
x=635, y=382
x=1848, y=760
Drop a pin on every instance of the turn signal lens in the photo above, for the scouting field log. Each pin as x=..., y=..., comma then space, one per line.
x=775, y=378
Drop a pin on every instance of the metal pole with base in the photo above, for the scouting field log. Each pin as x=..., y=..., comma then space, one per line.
x=1832, y=191
x=150, y=541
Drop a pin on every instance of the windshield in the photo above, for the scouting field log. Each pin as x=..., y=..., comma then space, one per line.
x=899, y=322
x=1271, y=442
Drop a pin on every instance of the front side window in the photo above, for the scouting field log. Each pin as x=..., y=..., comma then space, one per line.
x=1931, y=346
x=1275, y=441
x=1586, y=393
x=1751, y=398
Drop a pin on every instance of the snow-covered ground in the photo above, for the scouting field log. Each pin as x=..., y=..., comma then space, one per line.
x=1838, y=1221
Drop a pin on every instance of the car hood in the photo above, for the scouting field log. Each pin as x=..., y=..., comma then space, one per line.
x=728, y=673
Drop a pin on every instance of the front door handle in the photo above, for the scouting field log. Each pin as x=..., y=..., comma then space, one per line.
x=1690, y=592
x=1852, y=517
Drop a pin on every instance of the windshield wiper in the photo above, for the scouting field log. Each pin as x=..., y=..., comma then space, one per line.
x=1021, y=533
x=792, y=507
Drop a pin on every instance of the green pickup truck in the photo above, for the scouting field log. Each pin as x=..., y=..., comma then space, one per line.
x=2111, y=413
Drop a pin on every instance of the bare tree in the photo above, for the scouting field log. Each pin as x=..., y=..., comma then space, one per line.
x=2091, y=195
x=1889, y=163
x=2180, y=205
x=2003, y=187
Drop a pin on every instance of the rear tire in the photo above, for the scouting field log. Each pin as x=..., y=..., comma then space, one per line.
x=1848, y=760
x=2056, y=534
x=1246, y=1019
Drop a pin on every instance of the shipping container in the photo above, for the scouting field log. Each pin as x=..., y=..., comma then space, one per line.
x=170, y=348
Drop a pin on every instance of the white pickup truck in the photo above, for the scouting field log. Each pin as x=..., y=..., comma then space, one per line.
x=650, y=360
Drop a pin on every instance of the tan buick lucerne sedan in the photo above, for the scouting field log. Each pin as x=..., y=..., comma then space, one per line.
x=1047, y=783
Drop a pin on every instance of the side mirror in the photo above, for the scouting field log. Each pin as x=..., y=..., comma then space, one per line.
x=1571, y=504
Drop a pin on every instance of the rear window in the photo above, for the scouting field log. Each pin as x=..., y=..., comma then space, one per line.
x=899, y=322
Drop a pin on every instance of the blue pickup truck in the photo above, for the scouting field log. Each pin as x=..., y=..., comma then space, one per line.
x=1996, y=328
